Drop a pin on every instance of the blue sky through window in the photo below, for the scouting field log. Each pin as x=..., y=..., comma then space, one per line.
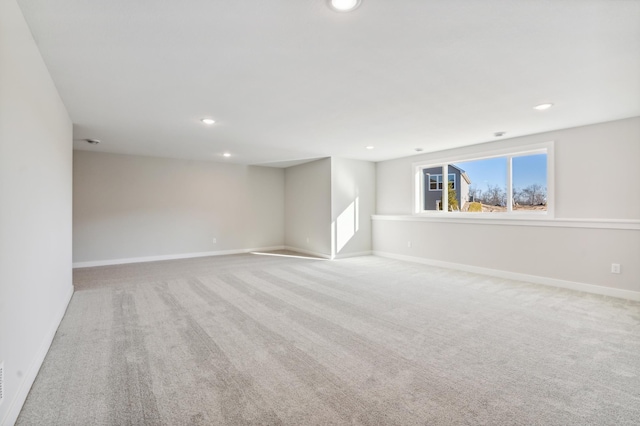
x=491, y=171
x=527, y=170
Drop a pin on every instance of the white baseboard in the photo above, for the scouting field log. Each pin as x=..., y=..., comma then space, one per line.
x=30, y=375
x=108, y=262
x=355, y=254
x=309, y=252
x=327, y=256
x=553, y=282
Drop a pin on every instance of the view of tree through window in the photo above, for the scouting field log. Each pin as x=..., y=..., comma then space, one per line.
x=482, y=185
x=487, y=187
x=530, y=182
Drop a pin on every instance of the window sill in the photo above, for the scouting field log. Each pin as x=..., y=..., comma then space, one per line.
x=511, y=219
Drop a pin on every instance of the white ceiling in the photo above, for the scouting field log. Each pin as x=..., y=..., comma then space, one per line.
x=291, y=79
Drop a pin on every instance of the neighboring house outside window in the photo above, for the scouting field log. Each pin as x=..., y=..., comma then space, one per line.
x=433, y=181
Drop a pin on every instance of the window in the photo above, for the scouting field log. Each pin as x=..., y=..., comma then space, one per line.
x=529, y=182
x=505, y=181
x=435, y=181
x=487, y=188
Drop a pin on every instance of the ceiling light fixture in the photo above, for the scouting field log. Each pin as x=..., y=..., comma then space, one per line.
x=92, y=141
x=419, y=149
x=499, y=134
x=226, y=154
x=542, y=107
x=208, y=121
x=369, y=147
x=343, y=5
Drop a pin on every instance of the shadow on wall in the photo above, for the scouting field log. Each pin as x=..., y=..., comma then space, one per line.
x=346, y=225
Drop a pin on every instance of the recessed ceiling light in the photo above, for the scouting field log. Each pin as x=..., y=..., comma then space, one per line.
x=226, y=154
x=542, y=107
x=208, y=121
x=369, y=147
x=499, y=134
x=343, y=5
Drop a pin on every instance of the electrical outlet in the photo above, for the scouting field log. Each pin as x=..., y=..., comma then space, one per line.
x=409, y=244
x=215, y=240
x=615, y=268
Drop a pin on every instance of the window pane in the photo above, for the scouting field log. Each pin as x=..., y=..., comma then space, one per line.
x=433, y=188
x=453, y=195
x=452, y=178
x=433, y=182
x=482, y=185
x=530, y=182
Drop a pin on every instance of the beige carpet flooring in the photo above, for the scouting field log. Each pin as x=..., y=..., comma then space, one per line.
x=274, y=340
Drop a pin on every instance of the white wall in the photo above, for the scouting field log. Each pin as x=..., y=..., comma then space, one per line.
x=596, y=177
x=130, y=207
x=353, y=184
x=308, y=207
x=35, y=209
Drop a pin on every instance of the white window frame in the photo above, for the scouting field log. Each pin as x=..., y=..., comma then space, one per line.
x=508, y=153
x=439, y=182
